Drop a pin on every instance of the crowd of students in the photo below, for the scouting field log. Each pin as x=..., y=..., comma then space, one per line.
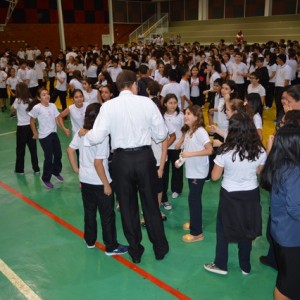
x=237, y=82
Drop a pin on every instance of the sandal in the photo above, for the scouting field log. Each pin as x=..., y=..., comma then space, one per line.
x=188, y=238
x=186, y=226
x=143, y=224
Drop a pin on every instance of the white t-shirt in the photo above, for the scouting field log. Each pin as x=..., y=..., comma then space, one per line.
x=222, y=120
x=216, y=105
x=40, y=69
x=196, y=167
x=21, y=54
x=157, y=76
x=3, y=76
x=174, y=88
x=272, y=69
x=77, y=116
x=29, y=54
x=258, y=89
x=61, y=86
x=87, y=156
x=257, y=121
x=185, y=85
x=152, y=66
x=46, y=116
x=195, y=92
x=164, y=81
x=293, y=65
x=22, y=114
x=283, y=73
x=175, y=121
x=51, y=71
x=212, y=79
x=31, y=75
x=76, y=84
x=91, y=71
x=91, y=97
x=70, y=68
x=114, y=72
x=12, y=82
x=157, y=147
x=239, y=175
x=21, y=74
x=238, y=68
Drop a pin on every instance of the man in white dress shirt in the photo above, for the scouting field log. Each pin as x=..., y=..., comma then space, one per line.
x=132, y=121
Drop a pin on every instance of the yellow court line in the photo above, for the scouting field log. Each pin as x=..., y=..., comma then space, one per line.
x=18, y=282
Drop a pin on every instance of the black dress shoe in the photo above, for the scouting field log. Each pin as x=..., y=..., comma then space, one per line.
x=265, y=261
x=161, y=256
x=136, y=260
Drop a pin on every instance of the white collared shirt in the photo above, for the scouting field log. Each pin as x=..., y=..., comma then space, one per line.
x=87, y=156
x=131, y=120
x=238, y=68
x=283, y=73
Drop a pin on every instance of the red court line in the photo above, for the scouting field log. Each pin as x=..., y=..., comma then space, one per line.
x=78, y=232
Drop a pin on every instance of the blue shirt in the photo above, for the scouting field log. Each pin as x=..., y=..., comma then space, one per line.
x=285, y=210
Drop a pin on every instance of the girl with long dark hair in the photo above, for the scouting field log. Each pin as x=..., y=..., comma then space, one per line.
x=239, y=219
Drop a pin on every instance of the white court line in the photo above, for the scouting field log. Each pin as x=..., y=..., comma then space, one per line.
x=18, y=282
x=6, y=133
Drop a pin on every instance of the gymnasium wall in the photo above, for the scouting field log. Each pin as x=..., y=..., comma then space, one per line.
x=35, y=22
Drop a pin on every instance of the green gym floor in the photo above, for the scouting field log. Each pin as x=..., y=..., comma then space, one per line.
x=43, y=254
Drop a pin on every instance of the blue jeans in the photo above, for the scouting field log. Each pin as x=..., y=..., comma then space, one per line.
x=195, y=205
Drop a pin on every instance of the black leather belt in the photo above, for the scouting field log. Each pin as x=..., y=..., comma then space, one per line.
x=132, y=149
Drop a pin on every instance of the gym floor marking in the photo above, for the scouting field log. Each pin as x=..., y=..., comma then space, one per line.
x=7, y=133
x=18, y=282
x=78, y=232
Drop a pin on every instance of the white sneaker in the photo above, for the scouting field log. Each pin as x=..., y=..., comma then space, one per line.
x=214, y=269
x=175, y=195
x=167, y=205
x=90, y=247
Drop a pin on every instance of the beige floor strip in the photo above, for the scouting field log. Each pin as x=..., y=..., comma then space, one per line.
x=18, y=282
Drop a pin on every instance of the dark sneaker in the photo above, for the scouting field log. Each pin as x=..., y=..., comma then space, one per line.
x=167, y=205
x=265, y=260
x=244, y=272
x=90, y=246
x=214, y=269
x=59, y=178
x=19, y=173
x=118, y=251
x=47, y=184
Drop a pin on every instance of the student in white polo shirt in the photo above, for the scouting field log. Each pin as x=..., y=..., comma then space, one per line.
x=24, y=132
x=282, y=80
x=95, y=187
x=61, y=86
x=239, y=219
x=46, y=113
x=238, y=73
